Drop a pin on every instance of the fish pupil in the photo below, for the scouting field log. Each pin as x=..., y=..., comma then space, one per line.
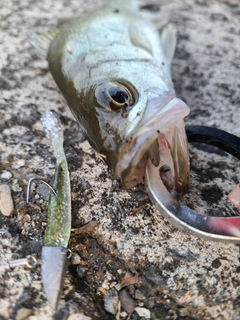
x=118, y=95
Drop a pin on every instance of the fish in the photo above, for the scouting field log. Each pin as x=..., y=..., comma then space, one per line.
x=113, y=66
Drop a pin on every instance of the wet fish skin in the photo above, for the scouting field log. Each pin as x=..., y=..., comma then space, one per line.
x=78, y=68
x=114, y=48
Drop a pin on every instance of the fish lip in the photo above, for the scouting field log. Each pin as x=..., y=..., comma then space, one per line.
x=133, y=151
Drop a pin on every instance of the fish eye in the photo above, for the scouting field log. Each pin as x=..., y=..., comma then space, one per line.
x=114, y=96
x=119, y=97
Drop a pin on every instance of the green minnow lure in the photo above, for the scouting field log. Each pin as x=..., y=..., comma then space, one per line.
x=59, y=208
x=57, y=234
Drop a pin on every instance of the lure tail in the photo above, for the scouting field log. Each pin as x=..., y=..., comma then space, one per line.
x=52, y=126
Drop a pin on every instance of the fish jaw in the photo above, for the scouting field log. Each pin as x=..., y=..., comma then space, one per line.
x=161, y=128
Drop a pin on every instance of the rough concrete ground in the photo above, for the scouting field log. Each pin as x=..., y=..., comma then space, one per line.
x=177, y=276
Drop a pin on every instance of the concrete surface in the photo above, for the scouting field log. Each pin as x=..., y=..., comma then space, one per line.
x=182, y=277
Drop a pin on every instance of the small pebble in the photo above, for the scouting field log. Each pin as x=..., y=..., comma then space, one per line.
x=111, y=301
x=27, y=218
x=118, y=287
x=113, y=284
x=106, y=284
x=6, y=175
x=123, y=314
x=19, y=163
x=102, y=290
x=150, y=303
x=81, y=270
x=109, y=276
x=139, y=295
x=32, y=152
x=127, y=302
x=143, y=312
x=16, y=188
x=76, y=259
x=6, y=201
x=35, y=207
x=216, y=263
x=23, y=314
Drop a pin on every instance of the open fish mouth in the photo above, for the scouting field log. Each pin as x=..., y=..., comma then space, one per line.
x=160, y=137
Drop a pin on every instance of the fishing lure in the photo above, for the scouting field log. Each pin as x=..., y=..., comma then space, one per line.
x=57, y=233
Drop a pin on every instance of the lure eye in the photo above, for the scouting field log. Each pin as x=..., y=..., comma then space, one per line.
x=114, y=96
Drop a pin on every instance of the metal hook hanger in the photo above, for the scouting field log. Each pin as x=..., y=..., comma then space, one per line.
x=212, y=228
x=42, y=181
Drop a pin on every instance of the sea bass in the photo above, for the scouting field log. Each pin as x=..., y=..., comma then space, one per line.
x=113, y=68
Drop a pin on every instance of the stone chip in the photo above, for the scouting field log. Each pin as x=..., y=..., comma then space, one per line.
x=6, y=201
x=143, y=312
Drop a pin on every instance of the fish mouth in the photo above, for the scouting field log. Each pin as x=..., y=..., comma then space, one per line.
x=160, y=137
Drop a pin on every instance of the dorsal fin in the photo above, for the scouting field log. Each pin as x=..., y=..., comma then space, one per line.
x=41, y=42
x=169, y=40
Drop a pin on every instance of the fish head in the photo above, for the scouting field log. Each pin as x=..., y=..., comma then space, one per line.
x=137, y=116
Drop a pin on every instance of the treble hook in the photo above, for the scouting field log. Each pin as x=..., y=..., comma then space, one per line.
x=212, y=228
x=42, y=181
